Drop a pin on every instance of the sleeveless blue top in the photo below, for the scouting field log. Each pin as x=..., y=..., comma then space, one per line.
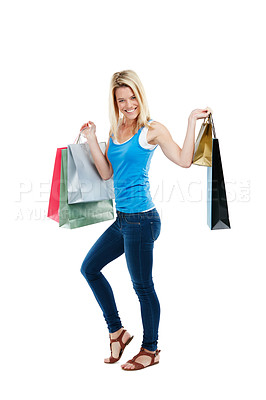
x=131, y=164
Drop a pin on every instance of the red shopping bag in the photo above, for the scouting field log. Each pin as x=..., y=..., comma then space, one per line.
x=53, y=208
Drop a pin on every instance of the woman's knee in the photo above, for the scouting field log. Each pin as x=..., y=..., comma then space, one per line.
x=143, y=289
x=83, y=268
x=88, y=268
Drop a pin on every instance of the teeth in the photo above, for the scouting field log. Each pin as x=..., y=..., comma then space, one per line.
x=131, y=110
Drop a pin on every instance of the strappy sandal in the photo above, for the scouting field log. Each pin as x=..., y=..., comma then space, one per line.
x=139, y=365
x=122, y=344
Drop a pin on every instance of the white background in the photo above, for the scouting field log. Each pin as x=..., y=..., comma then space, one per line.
x=57, y=61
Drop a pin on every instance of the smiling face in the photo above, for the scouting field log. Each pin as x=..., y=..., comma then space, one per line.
x=127, y=102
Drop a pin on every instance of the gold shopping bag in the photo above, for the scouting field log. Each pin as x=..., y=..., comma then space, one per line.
x=203, y=146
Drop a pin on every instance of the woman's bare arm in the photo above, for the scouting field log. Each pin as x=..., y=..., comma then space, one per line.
x=101, y=160
x=180, y=156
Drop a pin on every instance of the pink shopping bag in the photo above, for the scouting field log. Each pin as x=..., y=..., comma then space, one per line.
x=53, y=208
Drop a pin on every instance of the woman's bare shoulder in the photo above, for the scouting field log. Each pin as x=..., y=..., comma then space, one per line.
x=156, y=124
x=158, y=130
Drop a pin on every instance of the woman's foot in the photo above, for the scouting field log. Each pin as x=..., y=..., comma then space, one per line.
x=143, y=360
x=116, y=346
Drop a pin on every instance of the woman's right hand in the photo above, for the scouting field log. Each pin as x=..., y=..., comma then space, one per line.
x=200, y=113
x=89, y=132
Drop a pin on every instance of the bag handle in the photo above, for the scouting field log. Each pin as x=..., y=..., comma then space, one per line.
x=208, y=120
x=213, y=129
x=77, y=140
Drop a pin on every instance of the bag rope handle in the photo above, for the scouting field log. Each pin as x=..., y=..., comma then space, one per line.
x=77, y=140
x=208, y=120
x=213, y=129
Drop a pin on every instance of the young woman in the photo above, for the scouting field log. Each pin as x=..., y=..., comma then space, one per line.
x=131, y=144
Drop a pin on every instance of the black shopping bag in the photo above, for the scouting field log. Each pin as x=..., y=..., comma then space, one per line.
x=217, y=208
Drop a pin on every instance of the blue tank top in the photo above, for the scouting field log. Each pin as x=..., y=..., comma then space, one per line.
x=131, y=164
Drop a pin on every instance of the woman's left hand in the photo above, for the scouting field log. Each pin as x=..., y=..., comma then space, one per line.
x=200, y=113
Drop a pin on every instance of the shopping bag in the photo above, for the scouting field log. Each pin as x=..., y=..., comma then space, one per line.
x=53, y=207
x=217, y=208
x=84, y=181
x=81, y=214
x=203, y=145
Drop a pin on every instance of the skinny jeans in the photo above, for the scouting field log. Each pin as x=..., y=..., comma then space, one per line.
x=133, y=234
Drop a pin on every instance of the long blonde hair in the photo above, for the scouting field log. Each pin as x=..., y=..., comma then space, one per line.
x=130, y=79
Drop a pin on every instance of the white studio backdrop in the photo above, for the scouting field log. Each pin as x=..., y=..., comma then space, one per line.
x=58, y=59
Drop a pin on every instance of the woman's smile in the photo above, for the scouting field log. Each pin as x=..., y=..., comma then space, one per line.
x=131, y=110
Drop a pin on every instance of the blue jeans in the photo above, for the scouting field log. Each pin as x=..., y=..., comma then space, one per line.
x=133, y=234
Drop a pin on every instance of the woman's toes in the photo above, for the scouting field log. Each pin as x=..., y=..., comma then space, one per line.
x=126, y=366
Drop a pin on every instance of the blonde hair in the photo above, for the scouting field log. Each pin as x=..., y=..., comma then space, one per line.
x=130, y=79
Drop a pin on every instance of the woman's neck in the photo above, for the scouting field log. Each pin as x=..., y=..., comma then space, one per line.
x=128, y=124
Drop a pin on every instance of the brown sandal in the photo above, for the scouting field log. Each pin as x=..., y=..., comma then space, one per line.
x=139, y=365
x=123, y=345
